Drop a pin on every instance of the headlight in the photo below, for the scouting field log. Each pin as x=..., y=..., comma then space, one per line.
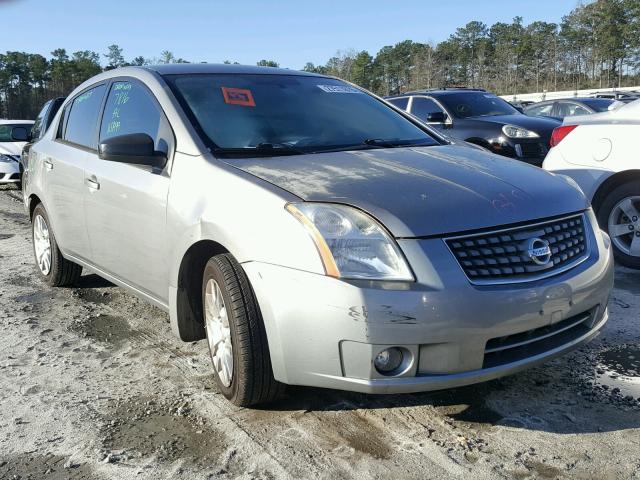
x=6, y=158
x=351, y=243
x=512, y=131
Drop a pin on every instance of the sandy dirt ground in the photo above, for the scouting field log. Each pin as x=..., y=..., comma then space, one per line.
x=93, y=385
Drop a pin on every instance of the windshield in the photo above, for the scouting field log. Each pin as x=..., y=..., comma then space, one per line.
x=5, y=131
x=476, y=104
x=284, y=114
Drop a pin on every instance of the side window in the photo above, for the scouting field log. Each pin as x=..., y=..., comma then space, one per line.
x=38, y=126
x=540, y=110
x=400, y=102
x=578, y=110
x=422, y=107
x=131, y=108
x=83, y=116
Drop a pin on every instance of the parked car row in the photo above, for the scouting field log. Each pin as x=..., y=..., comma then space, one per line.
x=315, y=234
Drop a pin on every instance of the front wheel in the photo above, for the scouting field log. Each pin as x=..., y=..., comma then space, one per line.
x=54, y=269
x=236, y=335
x=619, y=215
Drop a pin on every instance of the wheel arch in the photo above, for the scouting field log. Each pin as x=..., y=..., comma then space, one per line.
x=611, y=183
x=187, y=316
x=33, y=201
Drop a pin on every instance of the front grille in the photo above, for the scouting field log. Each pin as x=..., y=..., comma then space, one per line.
x=531, y=150
x=510, y=255
x=511, y=348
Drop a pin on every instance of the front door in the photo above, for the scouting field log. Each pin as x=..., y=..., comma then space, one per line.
x=125, y=204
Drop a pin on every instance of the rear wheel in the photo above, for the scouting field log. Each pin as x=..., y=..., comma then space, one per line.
x=236, y=335
x=619, y=215
x=54, y=269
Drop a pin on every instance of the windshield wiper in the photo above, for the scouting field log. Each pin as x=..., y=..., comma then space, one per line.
x=393, y=143
x=261, y=149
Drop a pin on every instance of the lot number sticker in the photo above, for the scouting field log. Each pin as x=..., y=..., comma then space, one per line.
x=338, y=89
x=238, y=96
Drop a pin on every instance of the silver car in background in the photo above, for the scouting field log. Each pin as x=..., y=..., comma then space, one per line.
x=312, y=232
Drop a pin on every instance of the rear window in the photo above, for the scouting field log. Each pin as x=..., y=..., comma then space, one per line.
x=83, y=118
x=307, y=113
x=598, y=104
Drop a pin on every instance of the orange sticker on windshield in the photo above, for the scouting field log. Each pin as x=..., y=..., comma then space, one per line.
x=238, y=96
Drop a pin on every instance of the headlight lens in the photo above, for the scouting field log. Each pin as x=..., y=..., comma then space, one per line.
x=6, y=158
x=512, y=131
x=351, y=243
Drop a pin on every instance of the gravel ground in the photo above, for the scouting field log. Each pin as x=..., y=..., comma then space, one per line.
x=93, y=385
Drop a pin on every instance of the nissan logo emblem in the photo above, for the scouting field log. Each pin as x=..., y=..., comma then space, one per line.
x=539, y=251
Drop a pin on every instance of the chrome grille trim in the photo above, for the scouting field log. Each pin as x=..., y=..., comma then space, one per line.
x=521, y=231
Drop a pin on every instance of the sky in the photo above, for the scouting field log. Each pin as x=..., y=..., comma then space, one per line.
x=288, y=31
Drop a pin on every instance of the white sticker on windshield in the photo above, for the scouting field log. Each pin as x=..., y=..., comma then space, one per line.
x=339, y=89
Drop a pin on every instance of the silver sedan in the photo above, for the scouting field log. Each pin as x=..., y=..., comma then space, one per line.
x=313, y=233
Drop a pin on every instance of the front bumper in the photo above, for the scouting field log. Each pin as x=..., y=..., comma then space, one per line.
x=532, y=151
x=9, y=172
x=325, y=332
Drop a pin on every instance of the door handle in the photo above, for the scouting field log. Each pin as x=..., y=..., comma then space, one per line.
x=48, y=164
x=92, y=183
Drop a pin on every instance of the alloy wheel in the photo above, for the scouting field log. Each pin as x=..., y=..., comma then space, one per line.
x=42, y=244
x=624, y=226
x=218, y=332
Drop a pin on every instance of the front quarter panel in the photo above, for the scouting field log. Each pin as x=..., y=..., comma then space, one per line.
x=211, y=200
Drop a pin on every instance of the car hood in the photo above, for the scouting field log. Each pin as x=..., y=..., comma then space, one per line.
x=11, y=148
x=542, y=126
x=426, y=191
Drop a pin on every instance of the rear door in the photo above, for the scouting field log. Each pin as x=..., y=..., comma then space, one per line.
x=126, y=203
x=62, y=169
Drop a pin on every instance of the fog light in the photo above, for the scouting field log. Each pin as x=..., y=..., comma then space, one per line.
x=388, y=360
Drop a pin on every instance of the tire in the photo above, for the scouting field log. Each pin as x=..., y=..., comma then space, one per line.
x=609, y=211
x=250, y=380
x=60, y=272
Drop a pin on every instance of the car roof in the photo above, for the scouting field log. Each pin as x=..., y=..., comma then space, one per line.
x=212, y=68
x=441, y=91
x=13, y=122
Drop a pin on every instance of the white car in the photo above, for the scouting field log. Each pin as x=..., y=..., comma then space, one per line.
x=600, y=153
x=13, y=136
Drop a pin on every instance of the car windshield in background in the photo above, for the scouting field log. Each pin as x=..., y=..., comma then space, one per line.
x=5, y=131
x=476, y=104
x=290, y=114
x=598, y=104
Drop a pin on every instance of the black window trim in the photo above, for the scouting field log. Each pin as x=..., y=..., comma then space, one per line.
x=69, y=104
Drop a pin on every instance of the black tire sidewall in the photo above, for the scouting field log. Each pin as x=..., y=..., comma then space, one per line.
x=212, y=271
x=604, y=210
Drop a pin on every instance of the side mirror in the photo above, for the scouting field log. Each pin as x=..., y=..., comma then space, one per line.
x=437, y=117
x=135, y=148
x=519, y=108
x=19, y=134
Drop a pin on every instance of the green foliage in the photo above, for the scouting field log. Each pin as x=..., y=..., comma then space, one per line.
x=268, y=63
x=595, y=45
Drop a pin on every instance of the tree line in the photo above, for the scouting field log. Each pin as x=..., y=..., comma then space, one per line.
x=596, y=45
